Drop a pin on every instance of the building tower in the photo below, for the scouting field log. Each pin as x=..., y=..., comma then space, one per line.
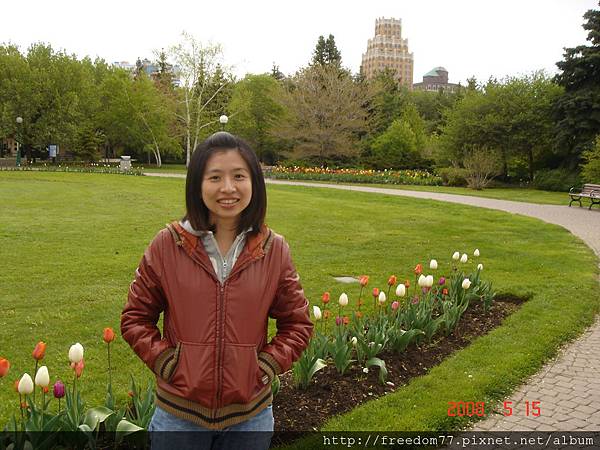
x=387, y=49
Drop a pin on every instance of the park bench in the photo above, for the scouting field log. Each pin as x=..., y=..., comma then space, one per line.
x=591, y=191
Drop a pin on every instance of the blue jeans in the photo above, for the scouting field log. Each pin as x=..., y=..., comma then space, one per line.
x=171, y=432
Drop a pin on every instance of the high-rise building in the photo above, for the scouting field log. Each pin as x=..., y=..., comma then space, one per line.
x=387, y=49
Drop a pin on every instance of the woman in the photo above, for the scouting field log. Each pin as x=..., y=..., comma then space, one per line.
x=217, y=275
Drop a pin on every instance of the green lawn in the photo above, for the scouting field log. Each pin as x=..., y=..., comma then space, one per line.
x=69, y=244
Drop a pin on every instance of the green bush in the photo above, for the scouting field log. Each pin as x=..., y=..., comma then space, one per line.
x=590, y=170
x=453, y=176
x=560, y=180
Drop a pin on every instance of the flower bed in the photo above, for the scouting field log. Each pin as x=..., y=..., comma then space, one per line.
x=414, y=177
x=80, y=168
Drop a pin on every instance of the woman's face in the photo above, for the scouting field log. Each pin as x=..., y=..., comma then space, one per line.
x=226, y=186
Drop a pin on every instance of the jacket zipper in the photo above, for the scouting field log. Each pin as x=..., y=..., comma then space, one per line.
x=220, y=347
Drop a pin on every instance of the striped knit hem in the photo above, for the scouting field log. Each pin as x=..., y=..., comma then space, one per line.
x=166, y=362
x=209, y=418
x=268, y=365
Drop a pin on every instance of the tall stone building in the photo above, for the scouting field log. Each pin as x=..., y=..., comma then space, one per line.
x=387, y=49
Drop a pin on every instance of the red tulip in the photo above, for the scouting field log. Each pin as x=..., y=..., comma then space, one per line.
x=444, y=291
x=78, y=368
x=4, y=366
x=407, y=284
x=108, y=335
x=39, y=351
x=392, y=280
x=59, y=389
x=325, y=298
x=395, y=305
x=363, y=280
x=418, y=269
x=16, y=385
x=375, y=292
x=346, y=320
x=45, y=389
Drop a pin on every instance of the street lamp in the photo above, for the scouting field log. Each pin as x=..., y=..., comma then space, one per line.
x=223, y=119
x=20, y=133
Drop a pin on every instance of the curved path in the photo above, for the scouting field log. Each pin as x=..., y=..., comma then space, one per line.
x=568, y=387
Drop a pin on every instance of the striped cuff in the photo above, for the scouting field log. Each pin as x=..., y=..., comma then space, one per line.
x=165, y=364
x=268, y=365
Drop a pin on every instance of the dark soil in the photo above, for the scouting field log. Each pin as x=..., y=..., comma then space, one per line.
x=330, y=393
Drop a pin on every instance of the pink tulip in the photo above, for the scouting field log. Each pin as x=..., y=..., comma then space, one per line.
x=395, y=305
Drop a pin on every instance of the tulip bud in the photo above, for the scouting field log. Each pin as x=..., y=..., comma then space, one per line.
x=418, y=269
x=464, y=258
x=108, y=335
x=363, y=280
x=407, y=283
x=476, y=252
x=42, y=378
x=480, y=267
x=382, y=298
x=338, y=321
x=444, y=291
x=317, y=312
x=39, y=351
x=59, y=389
x=326, y=314
x=345, y=320
x=325, y=298
x=4, y=367
x=433, y=264
x=25, y=385
x=375, y=292
x=401, y=290
x=78, y=367
x=343, y=301
x=422, y=281
x=354, y=341
x=395, y=305
x=466, y=284
x=392, y=280
x=429, y=280
x=76, y=353
x=455, y=256
x=442, y=281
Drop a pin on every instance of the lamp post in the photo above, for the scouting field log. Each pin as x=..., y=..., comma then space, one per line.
x=223, y=119
x=20, y=133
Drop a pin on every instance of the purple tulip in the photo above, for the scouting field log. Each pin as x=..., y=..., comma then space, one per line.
x=442, y=281
x=59, y=389
x=338, y=320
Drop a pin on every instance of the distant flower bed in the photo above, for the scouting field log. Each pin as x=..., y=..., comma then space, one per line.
x=418, y=177
x=82, y=168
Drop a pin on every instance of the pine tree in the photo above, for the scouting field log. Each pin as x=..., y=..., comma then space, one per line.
x=319, y=55
x=332, y=55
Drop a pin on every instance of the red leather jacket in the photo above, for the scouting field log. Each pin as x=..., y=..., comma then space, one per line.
x=213, y=362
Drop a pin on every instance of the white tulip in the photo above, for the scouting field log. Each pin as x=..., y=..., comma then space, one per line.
x=429, y=280
x=433, y=264
x=343, y=301
x=480, y=267
x=401, y=290
x=42, y=378
x=455, y=256
x=464, y=258
x=366, y=370
x=382, y=298
x=317, y=312
x=354, y=341
x=25, y=386
x=422, y=282
x=466, y=284
x=76, y=353
x=476, y=252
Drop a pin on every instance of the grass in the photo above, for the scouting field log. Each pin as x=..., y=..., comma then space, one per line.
x=70, y=243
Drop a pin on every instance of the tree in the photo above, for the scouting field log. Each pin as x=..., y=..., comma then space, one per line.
x=396, y=148
x=590, y=170
x=255, y=99
x=481, y=166
x=578, y=110
x=327, y=53
x=325, y=113
x=276, y=73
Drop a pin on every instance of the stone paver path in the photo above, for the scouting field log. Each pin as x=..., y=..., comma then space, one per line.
x=568, y=387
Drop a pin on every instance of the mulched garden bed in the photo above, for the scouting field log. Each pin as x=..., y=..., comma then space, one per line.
x=330, y=393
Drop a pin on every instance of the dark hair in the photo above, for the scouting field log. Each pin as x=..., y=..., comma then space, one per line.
x=196, y=211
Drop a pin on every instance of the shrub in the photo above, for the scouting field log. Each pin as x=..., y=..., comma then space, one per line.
x=560, y=180
x=590, y=170
x=482, y=164
x=453, y=176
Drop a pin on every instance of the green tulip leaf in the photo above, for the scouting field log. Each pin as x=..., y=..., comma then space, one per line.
x=97, y=415
x=125, y=427
x=318, y=365
x=85, y=428
x=382, y=369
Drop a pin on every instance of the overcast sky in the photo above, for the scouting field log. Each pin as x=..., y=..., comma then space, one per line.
x=468, y=37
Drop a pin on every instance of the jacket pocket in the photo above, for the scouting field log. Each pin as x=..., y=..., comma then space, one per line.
x=166, y=363
x=194, y=375
x=241, y=374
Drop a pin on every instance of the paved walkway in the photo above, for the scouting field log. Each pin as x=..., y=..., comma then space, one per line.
x=568, y=387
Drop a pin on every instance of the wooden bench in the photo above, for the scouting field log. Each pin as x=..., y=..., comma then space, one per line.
x=591, y=191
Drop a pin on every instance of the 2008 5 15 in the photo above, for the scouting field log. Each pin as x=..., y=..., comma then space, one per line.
x=469, y=409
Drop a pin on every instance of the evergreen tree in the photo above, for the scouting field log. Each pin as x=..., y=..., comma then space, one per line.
x=319, y=54
x=578, y=110
x=332, y=55
x=276, y=73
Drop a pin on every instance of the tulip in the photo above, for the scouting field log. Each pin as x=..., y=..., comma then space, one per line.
x=363, y=280
x=343, y=300
x=78, y=367
x=392, y=280
x=415, y=300
x=338, y=320
x=16, y=385
x=325, y=298
x=326, y=314
x=395, y=305
x=480, y=267
x=317, y=312
x=444, y=291
x=401, y=290
x=382, y=298
x=76, y=353
x=476, y=252
x=345, y=320
x=466, y=284
x=25, y=386
x=354, y=341
x=442, y=281
x=39, y=351
x=455, y=256
x=108, y=335
x=4, y=367
x=375, y=292
x=358, y=314
x=422, y=282
x=433, y=264
x=429, y=280
x=407, y=284
x=42, y=378
x=464, y=258
x=59, y=389
x=418, y=269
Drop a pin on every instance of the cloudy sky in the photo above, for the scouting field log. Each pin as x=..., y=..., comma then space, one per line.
x=468, y=37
